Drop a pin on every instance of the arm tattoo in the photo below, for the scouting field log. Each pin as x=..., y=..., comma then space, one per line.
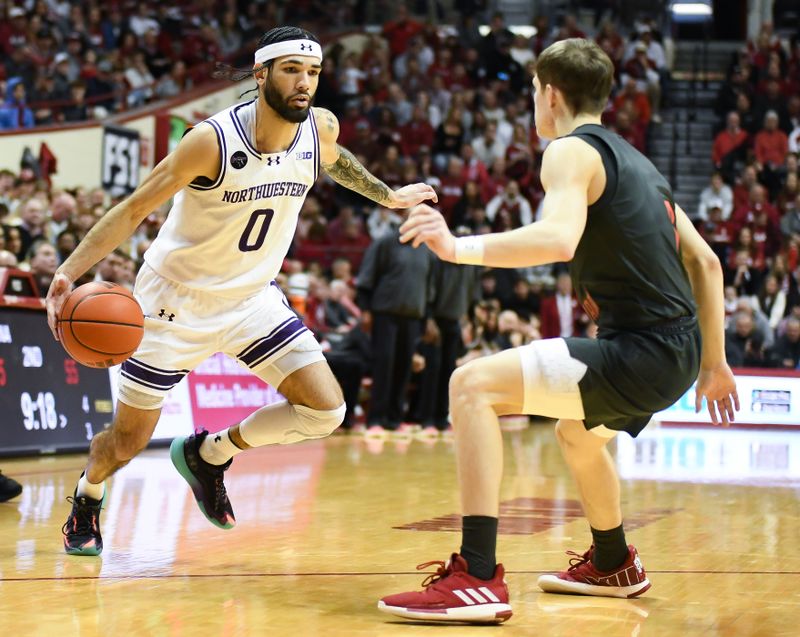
x=348, y=172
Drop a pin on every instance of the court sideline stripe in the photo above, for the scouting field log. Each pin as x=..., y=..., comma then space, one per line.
x=342, y=574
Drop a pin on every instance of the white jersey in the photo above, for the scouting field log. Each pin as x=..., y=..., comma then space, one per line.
x=229, y=237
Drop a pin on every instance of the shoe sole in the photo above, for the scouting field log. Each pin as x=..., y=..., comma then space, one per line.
x=554, y=584
x=179, y=462
x=11, y=495
x=478, y=614
x=93, y=551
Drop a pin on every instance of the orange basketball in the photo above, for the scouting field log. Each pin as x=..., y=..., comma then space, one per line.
x=100, y=324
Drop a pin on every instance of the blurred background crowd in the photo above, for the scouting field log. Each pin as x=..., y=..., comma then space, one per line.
x=449, y=106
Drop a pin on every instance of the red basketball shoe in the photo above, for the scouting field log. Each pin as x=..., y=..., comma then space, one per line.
x=453, y=595
x=582, y=578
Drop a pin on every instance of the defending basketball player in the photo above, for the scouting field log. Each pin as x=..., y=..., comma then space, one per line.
x=651, y=283
x=239, y=180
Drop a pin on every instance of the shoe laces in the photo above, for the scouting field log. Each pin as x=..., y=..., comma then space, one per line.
x=577, y=560
x=220, y=493
x=84, y=516
x=442, y=571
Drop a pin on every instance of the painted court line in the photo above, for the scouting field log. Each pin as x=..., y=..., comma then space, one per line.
x=340, y=574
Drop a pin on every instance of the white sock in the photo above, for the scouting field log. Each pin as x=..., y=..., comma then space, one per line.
x=218, y=448
x=91, y=490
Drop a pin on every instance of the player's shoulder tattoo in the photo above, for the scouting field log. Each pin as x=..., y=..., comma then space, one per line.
x=324, y=116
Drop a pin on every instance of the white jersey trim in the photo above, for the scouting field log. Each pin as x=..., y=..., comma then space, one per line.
x=223, y=159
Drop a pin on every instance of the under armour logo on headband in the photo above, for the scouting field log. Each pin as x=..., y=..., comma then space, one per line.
x=288, y=47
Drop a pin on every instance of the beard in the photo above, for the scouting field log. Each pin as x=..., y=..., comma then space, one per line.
x=282, y=107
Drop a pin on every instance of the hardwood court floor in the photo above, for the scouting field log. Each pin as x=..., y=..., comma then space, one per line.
x=326, y=528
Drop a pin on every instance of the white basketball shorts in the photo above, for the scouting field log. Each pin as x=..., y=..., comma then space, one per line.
x=183, y=327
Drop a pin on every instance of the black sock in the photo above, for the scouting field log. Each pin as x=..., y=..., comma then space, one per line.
x=478, y=543
x=610, y=549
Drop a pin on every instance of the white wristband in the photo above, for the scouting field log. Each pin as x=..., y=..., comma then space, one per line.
x=469, y=250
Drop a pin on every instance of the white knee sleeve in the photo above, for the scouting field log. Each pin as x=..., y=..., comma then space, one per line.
x=314, y=423
x=284, y=424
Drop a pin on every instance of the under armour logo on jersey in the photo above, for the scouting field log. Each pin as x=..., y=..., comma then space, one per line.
x=273, y=160
x=163, y=314
x=238, y=159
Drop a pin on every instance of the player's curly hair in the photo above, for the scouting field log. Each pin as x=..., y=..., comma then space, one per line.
x=278, y=34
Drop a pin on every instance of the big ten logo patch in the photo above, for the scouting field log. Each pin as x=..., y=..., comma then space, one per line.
x=305, y=154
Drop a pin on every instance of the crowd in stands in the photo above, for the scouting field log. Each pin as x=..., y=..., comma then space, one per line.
x=750, y=212
x=416, y=102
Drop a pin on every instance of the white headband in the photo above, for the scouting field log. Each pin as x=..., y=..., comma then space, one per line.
x=289, y=47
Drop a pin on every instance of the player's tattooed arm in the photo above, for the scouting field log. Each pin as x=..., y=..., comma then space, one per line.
x=349, y=172
x=343, y=167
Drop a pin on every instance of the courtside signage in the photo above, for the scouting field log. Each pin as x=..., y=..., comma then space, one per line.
x=772, y=399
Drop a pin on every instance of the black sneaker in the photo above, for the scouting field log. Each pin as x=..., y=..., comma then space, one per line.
x=9, y=488
x=82, y=528
x=206, y=480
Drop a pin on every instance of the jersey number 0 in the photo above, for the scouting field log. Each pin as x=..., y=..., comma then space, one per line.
x=259, y=219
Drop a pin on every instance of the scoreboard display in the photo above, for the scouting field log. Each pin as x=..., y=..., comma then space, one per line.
x=48, y=402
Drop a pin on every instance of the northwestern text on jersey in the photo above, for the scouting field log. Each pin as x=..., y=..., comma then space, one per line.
x=265, y=191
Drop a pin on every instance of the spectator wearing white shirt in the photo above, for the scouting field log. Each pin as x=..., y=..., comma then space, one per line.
x=716, y=194
x=142, y=22
x=794, y=122
x=509, y=209
x=654, y=50
x=522, y=51
x=489, y=146
x=382, y=221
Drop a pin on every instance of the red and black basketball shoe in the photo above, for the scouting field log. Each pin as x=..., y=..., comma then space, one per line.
x=82, y=528
x=582, y=578
x=451, y=594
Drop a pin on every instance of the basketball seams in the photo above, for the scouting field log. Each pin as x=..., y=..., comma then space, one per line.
x=72, y=321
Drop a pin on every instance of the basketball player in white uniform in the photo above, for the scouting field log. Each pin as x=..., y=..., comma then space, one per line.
x=238, y=180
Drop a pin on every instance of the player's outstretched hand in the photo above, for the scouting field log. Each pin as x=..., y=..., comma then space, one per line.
x=412, y=195
x=718, y=387
x=427, y=225
x=59, y=290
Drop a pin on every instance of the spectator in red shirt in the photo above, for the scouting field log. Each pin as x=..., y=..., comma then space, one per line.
x=741, y=191
x=474, y=169
x=611, y=42
x=717, y=232
x=561, y=315
x=336, y=228
x=452, y=187
x=758, y=203
x=13, y=34
x=353, y=244
x=638, y=100
x=625, y=129
x=418, y=132
x=730, y=146
x=401, y=30
x=771, y=148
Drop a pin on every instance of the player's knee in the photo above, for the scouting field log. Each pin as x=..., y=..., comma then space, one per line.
x=318, y=423
x=572, y=435
x=466, y=385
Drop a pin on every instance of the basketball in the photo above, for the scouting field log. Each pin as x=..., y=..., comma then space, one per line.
x=100, y=324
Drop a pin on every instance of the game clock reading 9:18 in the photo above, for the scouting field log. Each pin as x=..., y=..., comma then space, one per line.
x=48, y=401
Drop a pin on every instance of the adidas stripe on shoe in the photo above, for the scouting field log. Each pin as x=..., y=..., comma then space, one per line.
x=451, y=594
